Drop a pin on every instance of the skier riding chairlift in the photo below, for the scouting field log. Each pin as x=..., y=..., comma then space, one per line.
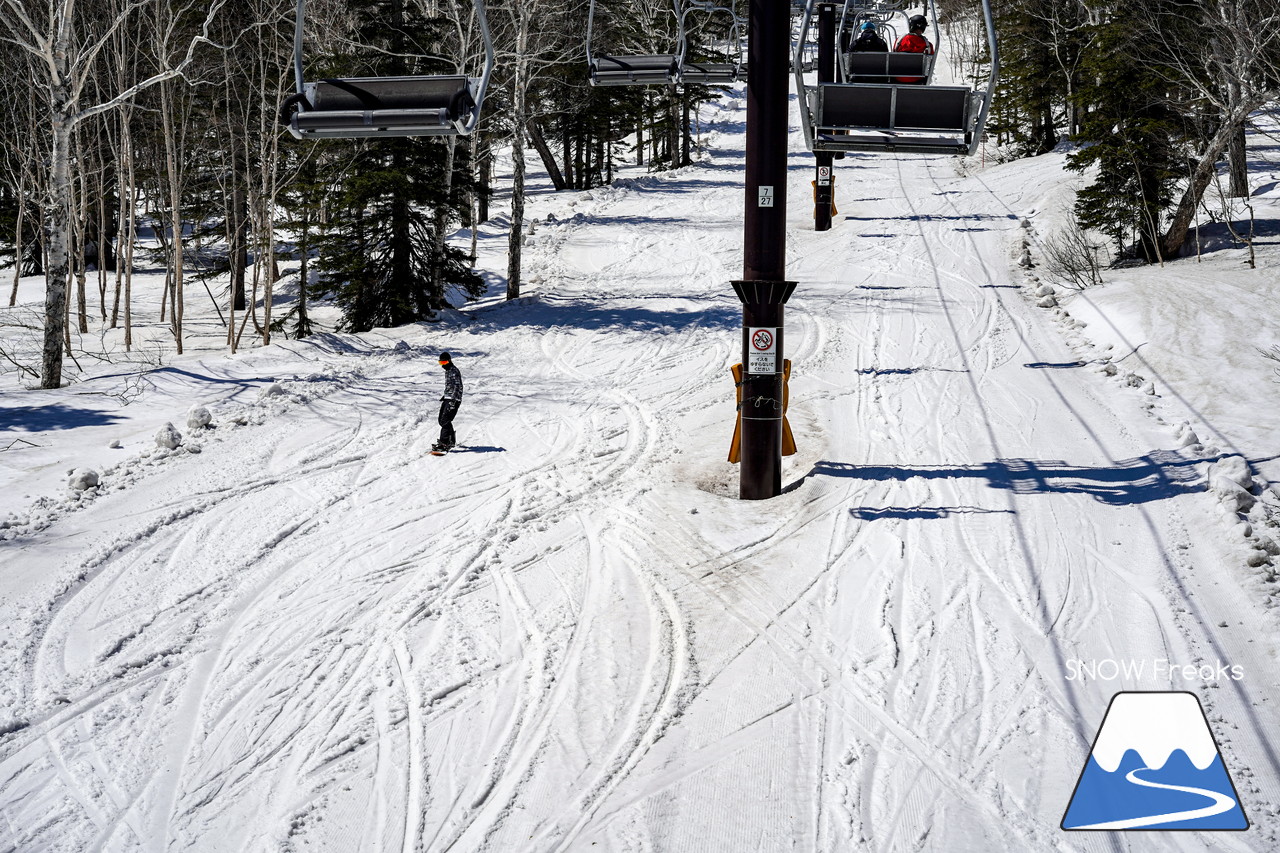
x=914, y=42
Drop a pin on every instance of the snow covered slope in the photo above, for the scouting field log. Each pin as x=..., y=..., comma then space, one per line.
x=313, y=636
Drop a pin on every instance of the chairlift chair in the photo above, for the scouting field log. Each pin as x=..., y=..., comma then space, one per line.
x=853, y=15
x=359, y=107
x=860, y=115
x=713, y=72
x=633, y=70
x=670, y=68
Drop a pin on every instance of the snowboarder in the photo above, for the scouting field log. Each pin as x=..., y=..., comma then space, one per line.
x=869, y=39
x=449, y=404
x=914, y=42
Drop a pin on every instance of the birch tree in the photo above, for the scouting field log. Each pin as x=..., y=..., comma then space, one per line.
x=66, y=39
x=1231, y=70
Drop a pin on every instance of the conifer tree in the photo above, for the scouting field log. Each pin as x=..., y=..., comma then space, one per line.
x=1041, y=42
x=1134, y=131
x=377, y=254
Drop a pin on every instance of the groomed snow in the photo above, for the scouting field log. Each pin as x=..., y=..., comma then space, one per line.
x=296, y=630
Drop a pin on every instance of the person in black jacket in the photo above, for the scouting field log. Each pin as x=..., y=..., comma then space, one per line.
x=449, y=402
x=869, y=39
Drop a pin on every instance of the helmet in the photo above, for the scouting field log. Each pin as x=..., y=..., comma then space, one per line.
x=445, y=358
x=867, y=26
x=917, y=22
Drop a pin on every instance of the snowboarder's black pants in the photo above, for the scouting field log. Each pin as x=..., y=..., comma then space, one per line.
x=448, y=408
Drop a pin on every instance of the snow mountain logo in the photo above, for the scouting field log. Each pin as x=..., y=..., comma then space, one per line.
x=1155, y=765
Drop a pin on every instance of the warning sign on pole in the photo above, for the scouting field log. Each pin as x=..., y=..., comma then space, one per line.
x=763, y=350
x=824, y=176
x=766, y=196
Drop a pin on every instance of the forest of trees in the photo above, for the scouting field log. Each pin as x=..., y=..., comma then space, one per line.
x=1155, y=93
x=145, y=133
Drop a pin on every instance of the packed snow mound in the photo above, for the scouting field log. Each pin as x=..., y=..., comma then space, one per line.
x=82, y=479
x=198, y=418
x=168, y=437
x=1231, y=480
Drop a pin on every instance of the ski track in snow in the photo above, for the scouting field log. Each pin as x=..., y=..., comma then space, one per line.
x=312, y=637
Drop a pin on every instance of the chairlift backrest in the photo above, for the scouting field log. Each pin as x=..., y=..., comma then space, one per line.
x=891, y=64
x=359, y=107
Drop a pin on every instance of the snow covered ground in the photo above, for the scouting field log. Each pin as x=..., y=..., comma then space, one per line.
x=298, y=631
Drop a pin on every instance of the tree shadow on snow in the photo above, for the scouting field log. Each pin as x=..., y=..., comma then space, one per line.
x=1158, y=475
x=540, y=314
x=905, y=371
x=923, y=512
x=934, y=217
x=1216, y=236
x=51, y=417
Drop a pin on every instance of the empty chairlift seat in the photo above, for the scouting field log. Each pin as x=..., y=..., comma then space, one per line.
x=634, y=70
x=359, y=107
x=869, y=117
x=710, y=72
x=385, y=106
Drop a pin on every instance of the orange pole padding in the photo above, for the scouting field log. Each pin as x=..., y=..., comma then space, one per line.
x=814, y=184
x=788, y=440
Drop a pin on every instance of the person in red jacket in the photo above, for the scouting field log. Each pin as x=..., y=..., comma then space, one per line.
x=914, y=42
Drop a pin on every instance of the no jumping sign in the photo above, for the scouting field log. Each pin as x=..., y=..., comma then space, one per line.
x=762, y=352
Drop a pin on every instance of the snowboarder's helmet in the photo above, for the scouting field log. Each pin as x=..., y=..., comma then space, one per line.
x=445, y=358
x=868, y=26
x=917, y=22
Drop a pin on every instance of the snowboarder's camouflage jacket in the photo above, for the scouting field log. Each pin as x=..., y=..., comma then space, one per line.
x=452, y=383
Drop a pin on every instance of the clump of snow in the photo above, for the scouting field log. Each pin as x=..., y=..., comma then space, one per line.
x=198, y=417
x=82, y=479
x=115, y=444
x=275, y=389
x=1230, y=479
x=193, y=447
x=168, y=437
x=1187, y=436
